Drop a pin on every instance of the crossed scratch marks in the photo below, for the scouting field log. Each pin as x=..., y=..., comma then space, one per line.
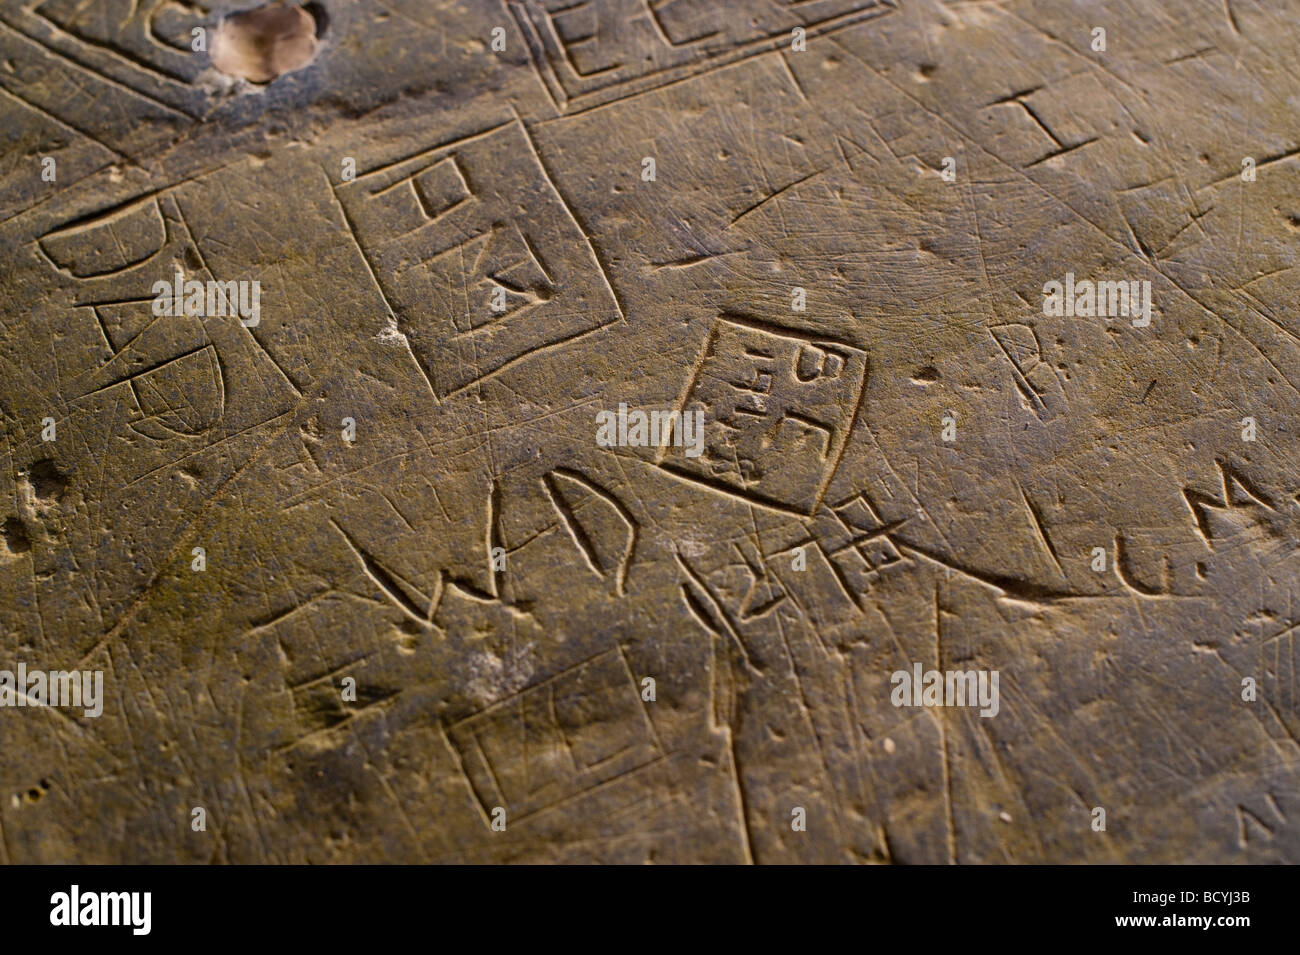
x=1019, y=99
x=1172, y=280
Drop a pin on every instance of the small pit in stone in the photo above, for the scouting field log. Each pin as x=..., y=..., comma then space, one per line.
x=15, y=537
x=259, y=45
x=48, y=482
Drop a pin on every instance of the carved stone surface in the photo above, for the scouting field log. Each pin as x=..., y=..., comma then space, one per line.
x=967, y=332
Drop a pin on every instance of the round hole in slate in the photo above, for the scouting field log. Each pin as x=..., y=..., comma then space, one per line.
x=266, y=42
